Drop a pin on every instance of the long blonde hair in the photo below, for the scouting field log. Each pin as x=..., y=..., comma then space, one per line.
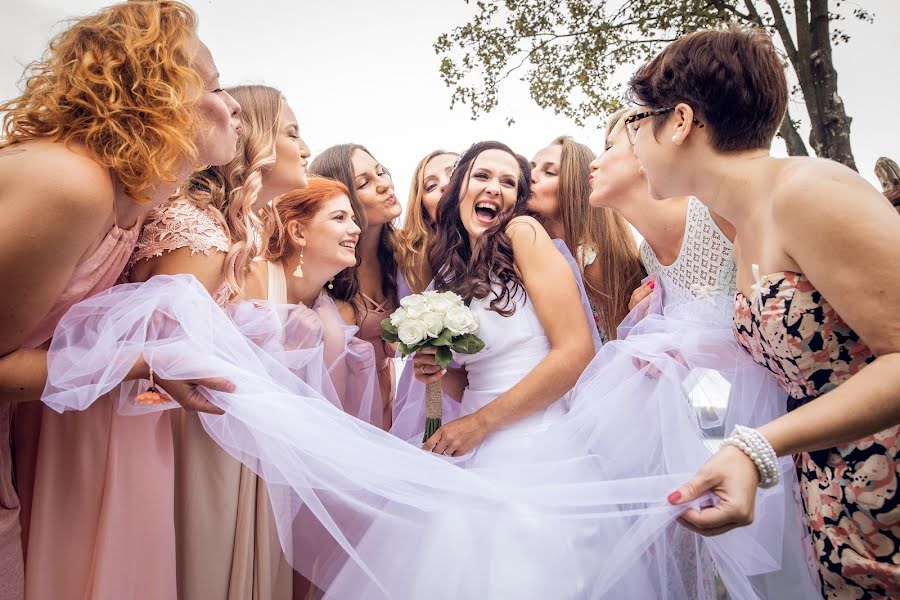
x=617, y=270
x=411, y=241
x=230, y=191
x=121, y=83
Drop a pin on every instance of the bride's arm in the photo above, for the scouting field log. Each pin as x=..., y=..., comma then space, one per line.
x=553, y=291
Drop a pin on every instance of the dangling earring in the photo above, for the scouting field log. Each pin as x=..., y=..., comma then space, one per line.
x=331, y=283
x=298, y=272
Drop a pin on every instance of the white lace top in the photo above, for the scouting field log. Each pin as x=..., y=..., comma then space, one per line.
x=705, y=264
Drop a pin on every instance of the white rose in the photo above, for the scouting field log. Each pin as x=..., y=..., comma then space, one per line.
x=413, y=300
x=416, y=305
x=398, y=317
x=411, y=332
x=455, y=298
x=459, y=320
x=440, y=303
x=473, y=323
x=434, y=324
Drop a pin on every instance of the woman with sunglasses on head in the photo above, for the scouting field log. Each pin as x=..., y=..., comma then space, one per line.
x=819, y=285
x=682, y=238
x=76, y=150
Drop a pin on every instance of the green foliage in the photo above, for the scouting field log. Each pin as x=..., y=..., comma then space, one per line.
x=446, y=343
x=388, y=331
x=575, y=55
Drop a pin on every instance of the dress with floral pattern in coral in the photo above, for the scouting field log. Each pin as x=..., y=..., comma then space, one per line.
x=850, y=491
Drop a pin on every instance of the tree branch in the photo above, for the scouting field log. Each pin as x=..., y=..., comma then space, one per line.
x=783, y=32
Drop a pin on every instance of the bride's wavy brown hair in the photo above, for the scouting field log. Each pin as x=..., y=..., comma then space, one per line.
x=468, y=271
x=120, y=82
x=229, y=192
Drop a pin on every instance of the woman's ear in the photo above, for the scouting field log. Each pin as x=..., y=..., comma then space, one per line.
x=295, y=233
x=684, y=123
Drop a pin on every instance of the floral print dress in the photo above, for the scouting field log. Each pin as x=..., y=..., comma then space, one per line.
x=850, y=491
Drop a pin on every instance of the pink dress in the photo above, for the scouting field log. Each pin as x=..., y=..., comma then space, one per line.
x=370, y=331
x=85, y=477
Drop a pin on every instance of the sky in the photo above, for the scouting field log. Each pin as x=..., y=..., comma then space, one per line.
x=364, y=71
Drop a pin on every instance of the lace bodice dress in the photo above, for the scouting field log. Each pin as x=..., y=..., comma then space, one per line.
x=226, y=544
x=181, y=224
x=705, y=263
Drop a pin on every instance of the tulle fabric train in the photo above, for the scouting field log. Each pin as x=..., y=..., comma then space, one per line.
x=586, y=517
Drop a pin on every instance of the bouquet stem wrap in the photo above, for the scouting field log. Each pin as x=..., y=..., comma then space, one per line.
x=433, y=409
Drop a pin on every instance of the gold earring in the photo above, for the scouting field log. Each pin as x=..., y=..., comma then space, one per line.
x=298, y=272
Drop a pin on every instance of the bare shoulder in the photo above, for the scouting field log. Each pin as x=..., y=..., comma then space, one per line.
x=809, y=188
x=348, y=313
x=256, y=283
x=61, y=183
x=526, y=230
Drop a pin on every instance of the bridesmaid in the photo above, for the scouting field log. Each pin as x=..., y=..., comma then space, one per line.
x=683, y=239
x=559, y=196
x=428, y=183
x=819, y=286
x=372, y=285
x=311, y=236
x=226, y=543
x=77, y=177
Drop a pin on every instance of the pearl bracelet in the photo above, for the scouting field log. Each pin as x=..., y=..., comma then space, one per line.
x=757, y=447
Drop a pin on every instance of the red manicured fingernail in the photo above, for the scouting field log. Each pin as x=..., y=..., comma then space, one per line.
x=651, y=285
x=674, y=497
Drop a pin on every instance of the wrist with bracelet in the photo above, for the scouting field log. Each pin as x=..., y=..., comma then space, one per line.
x=754, y=444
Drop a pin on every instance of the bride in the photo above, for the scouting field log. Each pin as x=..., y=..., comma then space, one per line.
x=523, y=496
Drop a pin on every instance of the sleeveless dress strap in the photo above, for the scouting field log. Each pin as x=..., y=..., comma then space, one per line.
x=277, y=284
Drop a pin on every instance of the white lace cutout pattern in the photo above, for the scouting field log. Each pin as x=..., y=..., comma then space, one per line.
x=705, y=265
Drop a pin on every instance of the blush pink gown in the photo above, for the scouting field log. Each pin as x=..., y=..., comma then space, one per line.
x=96, y=488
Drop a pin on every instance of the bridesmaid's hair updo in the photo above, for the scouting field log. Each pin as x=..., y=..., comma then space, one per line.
x=468, y=271
x=733, y=79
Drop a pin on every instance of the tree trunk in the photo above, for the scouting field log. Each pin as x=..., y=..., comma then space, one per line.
x=791, y=137
x=834, y=124
x=805, y=75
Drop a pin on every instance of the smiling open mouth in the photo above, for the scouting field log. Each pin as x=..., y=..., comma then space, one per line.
x=349, y=245
x=486, y=212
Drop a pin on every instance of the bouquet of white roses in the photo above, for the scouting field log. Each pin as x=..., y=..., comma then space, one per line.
x=439, y=320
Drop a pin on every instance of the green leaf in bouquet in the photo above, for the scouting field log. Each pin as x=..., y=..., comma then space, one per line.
x=407, y=350
x=445, y=339
x=444, y=356
x=388, y=331
x=468, y=344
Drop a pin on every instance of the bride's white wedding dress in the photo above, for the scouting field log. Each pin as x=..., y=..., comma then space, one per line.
x=569, y=502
